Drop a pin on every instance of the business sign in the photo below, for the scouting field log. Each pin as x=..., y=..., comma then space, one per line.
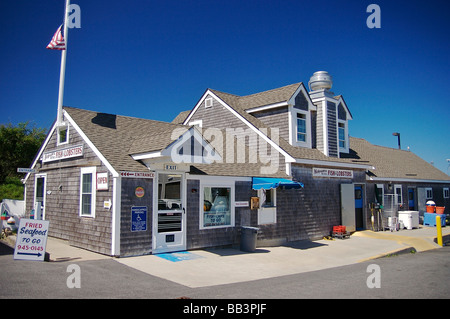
x=138, y=174
x=138, y=218
x=31, y=239
x=102, y=181
x=65, y=153
x=26, y=170
x=333, y=173
x=139, y=192
x=241, y=204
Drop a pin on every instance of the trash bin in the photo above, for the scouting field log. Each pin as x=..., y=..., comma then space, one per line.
x=248, y=238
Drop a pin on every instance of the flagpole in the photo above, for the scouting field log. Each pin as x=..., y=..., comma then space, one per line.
x=59, y=120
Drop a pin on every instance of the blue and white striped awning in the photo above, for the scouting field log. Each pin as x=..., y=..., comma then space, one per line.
x=268, y=183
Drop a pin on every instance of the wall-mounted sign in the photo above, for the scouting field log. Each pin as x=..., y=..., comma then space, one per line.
x=241, y=204
x=102, y=181
x=333, y=173
x=26, y=170
x=69, y=152
x=139, y=218
x=31, y=239
x=170, y=167
x=254, y=202
x=138, y=174
x=139, y=192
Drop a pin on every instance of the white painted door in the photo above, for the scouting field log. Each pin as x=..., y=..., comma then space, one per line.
x=40, y=192
x=169, y=218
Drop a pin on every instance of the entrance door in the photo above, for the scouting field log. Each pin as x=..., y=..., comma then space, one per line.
x=359, y=207
x=348, y=207
x=411, y=199
x=169, y=221
x=39, y=196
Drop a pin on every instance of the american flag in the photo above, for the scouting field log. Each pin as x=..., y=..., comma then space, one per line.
x=57, y=42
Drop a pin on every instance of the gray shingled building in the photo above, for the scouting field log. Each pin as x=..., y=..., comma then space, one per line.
x=280, y=160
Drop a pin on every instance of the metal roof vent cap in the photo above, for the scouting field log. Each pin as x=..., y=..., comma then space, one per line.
x=320, y=80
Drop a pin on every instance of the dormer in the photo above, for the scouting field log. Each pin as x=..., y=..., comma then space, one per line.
x=331, y=118
x=301, y=119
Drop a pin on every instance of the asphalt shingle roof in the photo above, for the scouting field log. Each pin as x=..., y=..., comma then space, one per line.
x=393, y=163
x=116, y=136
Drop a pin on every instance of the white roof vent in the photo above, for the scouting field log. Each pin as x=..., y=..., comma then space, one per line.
x=320, y=80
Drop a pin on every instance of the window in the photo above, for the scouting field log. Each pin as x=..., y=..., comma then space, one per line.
x=398, y=193
x=341, y=128
x=267, y=198
x=217, y=207
x=446, y=193
x=87, y=192
x=63, y=135
x=429, y=192
x=379, y=193
x=208, y=102
x=267, y=213
x=301, y=127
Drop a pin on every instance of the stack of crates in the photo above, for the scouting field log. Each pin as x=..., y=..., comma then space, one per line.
x=340, y=232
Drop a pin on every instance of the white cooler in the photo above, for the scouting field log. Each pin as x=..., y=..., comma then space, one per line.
x=409, y=218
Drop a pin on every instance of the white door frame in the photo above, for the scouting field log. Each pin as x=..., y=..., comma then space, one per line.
x=169, y=241
x=44, y=194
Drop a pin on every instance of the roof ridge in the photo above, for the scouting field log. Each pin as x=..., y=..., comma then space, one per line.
x=271, y=90
x=122, y=116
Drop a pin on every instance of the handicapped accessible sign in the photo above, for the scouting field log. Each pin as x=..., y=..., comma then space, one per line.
x=31, y=239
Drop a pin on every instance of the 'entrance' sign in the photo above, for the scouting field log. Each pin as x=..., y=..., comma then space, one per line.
x=31, y=239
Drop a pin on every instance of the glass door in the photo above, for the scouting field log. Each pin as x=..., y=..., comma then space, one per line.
x=169, y=221
x=39, y=196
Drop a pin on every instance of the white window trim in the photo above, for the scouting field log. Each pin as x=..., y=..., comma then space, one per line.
x=58, y=135
x=446, y=190
x=232, y=210
x=93, y=171
x=398, y=186
x=293, y=123
x=347, y=146
x=208, y=102
x=428, y=189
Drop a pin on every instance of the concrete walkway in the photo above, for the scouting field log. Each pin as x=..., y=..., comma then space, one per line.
x=209, y=267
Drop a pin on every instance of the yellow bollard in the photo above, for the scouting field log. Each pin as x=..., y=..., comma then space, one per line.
x=439, y=230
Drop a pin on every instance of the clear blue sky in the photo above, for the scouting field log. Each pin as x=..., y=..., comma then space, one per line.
x=153, y=59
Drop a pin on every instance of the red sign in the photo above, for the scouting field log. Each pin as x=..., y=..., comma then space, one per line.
x=139, y=192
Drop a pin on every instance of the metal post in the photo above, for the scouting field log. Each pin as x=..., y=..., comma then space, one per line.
x=63, y=67
x=439, y=230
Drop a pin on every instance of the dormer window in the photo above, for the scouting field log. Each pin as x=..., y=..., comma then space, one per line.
x=301, y=127
x=341, y=129
x=343, y=136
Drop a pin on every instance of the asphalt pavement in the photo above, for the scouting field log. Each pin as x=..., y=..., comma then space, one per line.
x=219, y=266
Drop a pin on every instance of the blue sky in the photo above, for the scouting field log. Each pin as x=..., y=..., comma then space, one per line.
x=153, y=59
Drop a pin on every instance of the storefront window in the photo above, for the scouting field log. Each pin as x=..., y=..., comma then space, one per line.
x=216, y=206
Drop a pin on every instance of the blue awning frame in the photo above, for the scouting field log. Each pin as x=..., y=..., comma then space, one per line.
x=270, y=183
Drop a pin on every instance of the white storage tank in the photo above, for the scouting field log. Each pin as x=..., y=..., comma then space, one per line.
x=410, y=218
